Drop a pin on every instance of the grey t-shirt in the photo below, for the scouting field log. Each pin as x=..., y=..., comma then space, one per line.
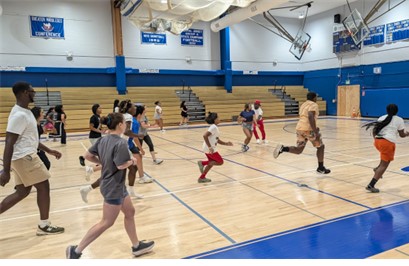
x=143, y=130
x=112, y=151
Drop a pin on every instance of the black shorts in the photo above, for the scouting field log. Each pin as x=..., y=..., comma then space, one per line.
x=135, y=150
x=183, y=114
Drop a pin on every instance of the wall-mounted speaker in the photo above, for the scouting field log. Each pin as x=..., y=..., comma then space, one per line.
x=337, y=18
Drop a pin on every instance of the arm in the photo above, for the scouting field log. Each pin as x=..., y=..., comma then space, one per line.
x=311, y=119
x=127, y=164
x=92, y=128
x=138, y=144
x=206, y=139
x=55, y=153
x=128, y=132
x=92, y=158
x=63, y=118
x=11, y=139
x=228, y=143
x=402, y=133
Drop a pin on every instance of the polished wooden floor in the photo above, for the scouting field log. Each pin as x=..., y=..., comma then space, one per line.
x=252, y=195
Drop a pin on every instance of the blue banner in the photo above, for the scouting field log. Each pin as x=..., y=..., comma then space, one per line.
x=192, y=37
x=342, y=42
x=376, y=35
x=397, y=31
x=47, y=27
x=153, y=38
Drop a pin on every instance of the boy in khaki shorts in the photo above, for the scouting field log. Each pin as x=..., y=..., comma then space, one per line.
x=307, y=130
x=20, y=154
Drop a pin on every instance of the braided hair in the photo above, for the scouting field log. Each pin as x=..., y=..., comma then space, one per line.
x=392, y=110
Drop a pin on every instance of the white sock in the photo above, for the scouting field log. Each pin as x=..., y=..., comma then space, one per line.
x=87, y=188
x=43, y=223
x=136, y=245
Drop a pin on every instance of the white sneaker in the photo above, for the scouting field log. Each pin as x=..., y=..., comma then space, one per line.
x=145, y=179
x=163, y=131
x=158, y=161
x=84, y=193
x=133, y=194
x=278, y=150
x=258, y=141
x=88, y=172
x=265, y=141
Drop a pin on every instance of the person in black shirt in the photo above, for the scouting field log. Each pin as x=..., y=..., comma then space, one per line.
x=247, y=118
x=183, y=113
x=60, y=123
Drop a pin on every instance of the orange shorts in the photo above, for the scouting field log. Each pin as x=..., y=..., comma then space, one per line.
x=386, y=149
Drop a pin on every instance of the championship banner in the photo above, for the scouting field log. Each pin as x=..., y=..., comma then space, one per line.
x=47, y=27
x=192, y=37
x=153, y=38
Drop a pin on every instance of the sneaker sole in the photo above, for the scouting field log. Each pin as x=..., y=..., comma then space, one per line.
x=143, y=251
x=42, y=233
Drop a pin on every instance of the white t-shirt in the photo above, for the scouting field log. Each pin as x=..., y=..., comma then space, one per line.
x=22, y=122
x=213, y=138
x=258, y=112
x=158, y=112
x=390, y=132
x=128, y=118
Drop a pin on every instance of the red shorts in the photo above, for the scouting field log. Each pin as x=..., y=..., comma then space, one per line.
x=214, y=157
x=386, y=148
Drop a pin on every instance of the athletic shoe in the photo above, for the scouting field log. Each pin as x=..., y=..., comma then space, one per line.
x=245, y=148
x=258, y=141
x=88, y=172
x=265, y=141
x=84, y=193
x=201, y=166
x=143, y=248
x=71, y=254
x=372, y=189
x=133, y=194
x=49, y=230
x=323, y=170
x=204, y=180
x=278, y=150
x=145, y=179
x=158, y=161
x=82, y=160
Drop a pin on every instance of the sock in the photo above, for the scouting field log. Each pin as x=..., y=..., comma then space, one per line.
x=76, y=251
x=43, y=223
x=285, y=149
x=320, y=165
x=130, y=188
x=204, y=163
x=88, y=188
x=135, y=245
x=202, y=176
x=373, y=182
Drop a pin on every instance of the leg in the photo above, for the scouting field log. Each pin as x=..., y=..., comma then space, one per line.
x=255, y=134
x=261, y=127
x=132, y=175
x=248, y=134
x=109, y=215
x=129, y=220
x=43, y=199
x=12, y=199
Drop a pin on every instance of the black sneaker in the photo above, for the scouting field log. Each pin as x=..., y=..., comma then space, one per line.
x=143, y=248
x=323, y=170
x=372, y=189
x=82, y=160
x=71, y=254
x=49, y=230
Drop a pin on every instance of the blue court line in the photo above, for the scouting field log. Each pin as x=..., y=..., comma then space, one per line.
x=195, y=212
x=355, y=236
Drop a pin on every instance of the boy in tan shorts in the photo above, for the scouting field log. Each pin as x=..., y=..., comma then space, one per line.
x=307, y=130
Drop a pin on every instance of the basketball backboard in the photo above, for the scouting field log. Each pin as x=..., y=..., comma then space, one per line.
x=300, y=44
x=356, y=27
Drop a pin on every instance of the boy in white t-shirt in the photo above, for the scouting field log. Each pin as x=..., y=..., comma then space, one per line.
x=211, y=139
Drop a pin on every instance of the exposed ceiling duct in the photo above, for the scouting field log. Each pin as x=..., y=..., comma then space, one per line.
x=241, y=14
x=175, y=16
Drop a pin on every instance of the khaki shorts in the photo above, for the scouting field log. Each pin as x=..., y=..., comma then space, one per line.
x=29, y=170
x=303, y=136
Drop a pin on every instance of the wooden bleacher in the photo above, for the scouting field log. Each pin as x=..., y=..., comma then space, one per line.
x=299, y=93
x=228, y=105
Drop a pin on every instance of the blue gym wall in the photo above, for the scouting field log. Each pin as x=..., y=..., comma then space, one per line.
x=391, y=86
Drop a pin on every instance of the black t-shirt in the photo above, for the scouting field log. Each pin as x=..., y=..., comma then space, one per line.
x=95, y=121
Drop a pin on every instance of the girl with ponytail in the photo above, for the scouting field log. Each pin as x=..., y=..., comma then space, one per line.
x=385, y=132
